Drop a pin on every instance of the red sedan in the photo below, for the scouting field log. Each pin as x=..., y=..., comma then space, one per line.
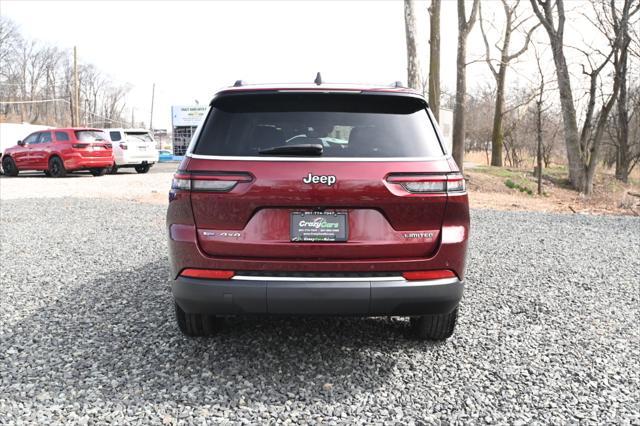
x=58, y=151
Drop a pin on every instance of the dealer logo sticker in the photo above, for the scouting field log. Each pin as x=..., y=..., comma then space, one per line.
x=323, y=179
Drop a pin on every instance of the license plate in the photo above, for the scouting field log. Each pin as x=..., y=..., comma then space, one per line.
x=319, y=226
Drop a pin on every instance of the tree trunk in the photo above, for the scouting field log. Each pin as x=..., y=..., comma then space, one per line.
x=539, y=130
x=571, y=135
x=413, y=69
x=622, y=165
x=459, y=111
x=434, y=58
x=464, y=27
x=497, y=137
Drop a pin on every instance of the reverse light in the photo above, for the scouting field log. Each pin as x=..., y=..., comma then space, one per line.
x=213, y=185
x=436, y=274
x=209, y=274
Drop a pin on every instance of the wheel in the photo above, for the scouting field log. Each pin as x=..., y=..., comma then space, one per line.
x=47, y=174
x=56, y=167
x=434, y=327
x=98, y=172
x=113, y=169
x=196, y=324
x=9, y=166
x=143, y=168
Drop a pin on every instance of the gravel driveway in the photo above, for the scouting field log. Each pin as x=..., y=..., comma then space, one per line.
x=548, y=332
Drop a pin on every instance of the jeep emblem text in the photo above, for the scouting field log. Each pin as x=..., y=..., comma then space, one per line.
x=326, y=180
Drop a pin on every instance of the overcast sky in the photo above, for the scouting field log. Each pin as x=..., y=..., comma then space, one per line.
x=191, y=49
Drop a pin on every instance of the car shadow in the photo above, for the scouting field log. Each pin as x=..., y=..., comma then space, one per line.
x=116, y=335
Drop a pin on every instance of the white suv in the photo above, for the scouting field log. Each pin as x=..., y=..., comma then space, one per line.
x=132, y=148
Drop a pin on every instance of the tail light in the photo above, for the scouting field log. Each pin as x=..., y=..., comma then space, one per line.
x=123, y=146
x=209, y=274
x=214, y=182
x=436, y=274
x=430, y=184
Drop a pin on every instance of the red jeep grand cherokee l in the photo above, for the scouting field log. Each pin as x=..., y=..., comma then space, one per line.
x=318, y=200
x=58, y=151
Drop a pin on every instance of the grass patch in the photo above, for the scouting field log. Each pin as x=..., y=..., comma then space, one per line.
x=520, y=187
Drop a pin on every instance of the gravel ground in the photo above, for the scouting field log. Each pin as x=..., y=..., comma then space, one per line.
x=548, y=332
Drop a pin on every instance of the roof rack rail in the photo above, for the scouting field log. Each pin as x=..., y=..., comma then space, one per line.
x=238, y=83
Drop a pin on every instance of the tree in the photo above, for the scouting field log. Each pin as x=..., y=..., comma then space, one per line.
x=464, y=28
x=434, y=58
x=413, y=68
x=512, y=24
x=626, y=155
x=583, y=145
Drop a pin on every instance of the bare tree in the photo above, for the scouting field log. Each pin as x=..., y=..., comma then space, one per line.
x=464, y=28
x=625, y=153
x=582, y=146
x=513, y=22
x=413, y=67
x=434, y=58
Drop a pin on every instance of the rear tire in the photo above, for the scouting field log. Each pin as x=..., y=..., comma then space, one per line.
x=143, y=168
x=98, y=172
x=47, y=174
x=197, y=324
x=434, y=327
x=9, y=167
x=56, y=167
x=113, y=170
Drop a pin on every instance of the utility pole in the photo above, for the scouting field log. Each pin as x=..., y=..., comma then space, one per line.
x=153, y=93
x=133, y=121
x=76, y=96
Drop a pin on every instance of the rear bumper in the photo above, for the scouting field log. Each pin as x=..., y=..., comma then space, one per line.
x=77, y=163
x=132, y=159
x=362, y=297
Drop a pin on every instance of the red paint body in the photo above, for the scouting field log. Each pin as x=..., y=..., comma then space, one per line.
x=60, y=142
x=255, y=217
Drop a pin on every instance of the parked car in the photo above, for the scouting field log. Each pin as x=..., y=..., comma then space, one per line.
x=376, y=226
x=133, y=148
x=164, y=155
x=58, y=151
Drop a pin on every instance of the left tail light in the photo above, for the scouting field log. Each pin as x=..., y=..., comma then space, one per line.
x=213, y=182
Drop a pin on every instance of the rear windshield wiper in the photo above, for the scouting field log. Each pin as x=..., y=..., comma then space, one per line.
x=297, y=149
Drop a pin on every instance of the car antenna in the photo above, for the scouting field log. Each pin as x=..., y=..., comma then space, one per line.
x=398, y=84
x=318, y=79
x=238, y=83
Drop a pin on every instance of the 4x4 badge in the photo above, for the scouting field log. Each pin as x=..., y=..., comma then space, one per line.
x=324, y=179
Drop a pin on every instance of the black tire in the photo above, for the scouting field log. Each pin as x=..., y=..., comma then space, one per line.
x=9, y=167
x=113, y=170
x=56, y=167
x=98, y=172
x=47, y=174
x=197, y=324
x=434, y=327
x=143, y=168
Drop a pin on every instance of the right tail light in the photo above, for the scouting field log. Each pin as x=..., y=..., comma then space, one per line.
x=430, y=184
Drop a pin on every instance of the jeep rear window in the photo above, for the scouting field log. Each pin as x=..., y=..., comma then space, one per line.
x=346, y=125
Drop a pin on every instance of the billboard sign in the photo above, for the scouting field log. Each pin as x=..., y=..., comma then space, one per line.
x=187, y=115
